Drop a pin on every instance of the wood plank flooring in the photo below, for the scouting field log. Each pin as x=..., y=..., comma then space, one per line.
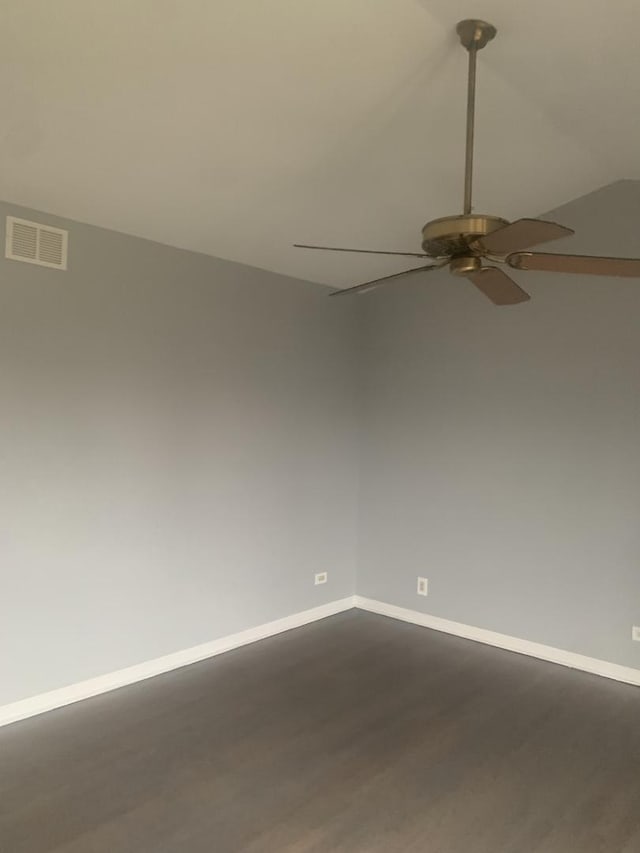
x=357, y=734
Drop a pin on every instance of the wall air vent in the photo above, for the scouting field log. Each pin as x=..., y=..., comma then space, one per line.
x=36, y=244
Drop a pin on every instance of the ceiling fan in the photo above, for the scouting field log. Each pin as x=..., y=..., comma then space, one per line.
x=467, y=241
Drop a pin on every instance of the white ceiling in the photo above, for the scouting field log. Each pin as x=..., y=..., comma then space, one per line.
x=237, y=128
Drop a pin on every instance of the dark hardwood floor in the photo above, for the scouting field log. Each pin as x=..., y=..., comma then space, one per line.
x=357, y=734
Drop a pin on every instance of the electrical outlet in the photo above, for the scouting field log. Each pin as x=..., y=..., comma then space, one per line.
x=423, y=586
x=635, y=633
x=321, y=577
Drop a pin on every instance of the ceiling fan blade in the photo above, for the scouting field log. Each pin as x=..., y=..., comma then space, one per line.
x=365, y=251
x=500, y=288
x=376, y=282
x=580, y=264
x=520, y=235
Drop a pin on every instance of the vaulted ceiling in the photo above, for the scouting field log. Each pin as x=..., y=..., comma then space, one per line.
x=237, y=128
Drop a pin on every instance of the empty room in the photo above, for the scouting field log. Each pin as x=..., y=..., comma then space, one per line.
x=319, y=427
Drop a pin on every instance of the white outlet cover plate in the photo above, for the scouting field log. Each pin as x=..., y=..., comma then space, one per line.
x=321, y=577
x=635, y=633
x=423, y=586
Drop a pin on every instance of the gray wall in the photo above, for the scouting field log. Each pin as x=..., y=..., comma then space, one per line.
x=501, y=447
x=179, y=451
x=176, y=454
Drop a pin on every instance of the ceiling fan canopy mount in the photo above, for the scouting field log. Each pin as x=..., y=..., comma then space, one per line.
x=475, y=34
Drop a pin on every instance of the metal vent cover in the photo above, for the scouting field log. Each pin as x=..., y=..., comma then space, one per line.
x=35, y=243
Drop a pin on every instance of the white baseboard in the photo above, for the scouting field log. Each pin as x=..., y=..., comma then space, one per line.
x=103, y=683
x=504, y=641
x=111, y=681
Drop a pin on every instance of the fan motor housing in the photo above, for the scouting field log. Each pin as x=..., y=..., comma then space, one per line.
x=451, y=236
